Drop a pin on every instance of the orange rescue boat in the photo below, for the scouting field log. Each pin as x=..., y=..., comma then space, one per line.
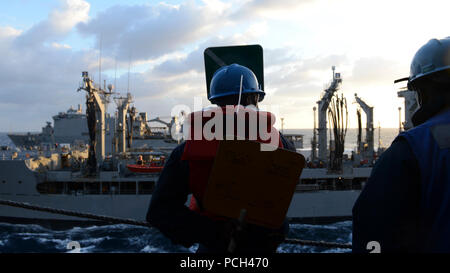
x=144, y=168
x=154, y=167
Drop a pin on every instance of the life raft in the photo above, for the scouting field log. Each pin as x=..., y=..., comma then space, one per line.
x=144, y=168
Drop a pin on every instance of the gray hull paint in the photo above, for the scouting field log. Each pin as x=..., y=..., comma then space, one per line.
x=323, y=204
x=311, y=206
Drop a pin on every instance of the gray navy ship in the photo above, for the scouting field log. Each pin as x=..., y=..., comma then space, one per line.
x=71, y=128
x=87, y=179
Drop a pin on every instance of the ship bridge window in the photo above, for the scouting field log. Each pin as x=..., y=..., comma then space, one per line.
x=128, y=187
x=146, y=187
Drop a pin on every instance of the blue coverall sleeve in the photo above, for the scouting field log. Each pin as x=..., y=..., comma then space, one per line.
x=387, y=210
x=168, y=212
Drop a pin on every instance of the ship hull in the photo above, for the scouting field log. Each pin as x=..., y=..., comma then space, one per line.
x=131, y=207
x=24, y=140
x=18, y=183
x=305, y=208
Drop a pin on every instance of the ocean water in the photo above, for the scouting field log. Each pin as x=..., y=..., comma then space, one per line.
x=132, y=239
x=383, y=136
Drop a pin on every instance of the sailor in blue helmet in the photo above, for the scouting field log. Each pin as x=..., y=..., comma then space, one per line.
x=183, y=176
x=225, y=85
x=405, y=206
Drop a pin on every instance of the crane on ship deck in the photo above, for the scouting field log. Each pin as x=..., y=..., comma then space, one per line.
x=322, y=113
x=367, y=148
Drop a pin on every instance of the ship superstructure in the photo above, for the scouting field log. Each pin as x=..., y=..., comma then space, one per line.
x=409, y=108
x=70, y=127
x=86, y=178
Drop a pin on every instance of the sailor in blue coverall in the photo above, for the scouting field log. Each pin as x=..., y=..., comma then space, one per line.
x=405, y=206
x=185, y=226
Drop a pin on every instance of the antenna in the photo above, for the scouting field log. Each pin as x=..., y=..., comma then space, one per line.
x=129, y=66
x=100, y=63
x=240, y=92
x=115, y=71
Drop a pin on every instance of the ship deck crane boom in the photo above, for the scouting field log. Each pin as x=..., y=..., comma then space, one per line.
x=95, y=112
x=323, y=107
x=368, y=110
x=157, y=119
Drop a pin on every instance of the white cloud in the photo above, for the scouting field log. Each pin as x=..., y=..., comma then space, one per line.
x=269, y=8
x=57, y=45
x=376, y=70
x=39, y=75
x=71, y=13
x=193, y=61
x=40, y=68
x=9, y=32
x=58, y=24
x=148, y=32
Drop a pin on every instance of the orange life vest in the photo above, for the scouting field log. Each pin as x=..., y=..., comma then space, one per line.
x=201, y=153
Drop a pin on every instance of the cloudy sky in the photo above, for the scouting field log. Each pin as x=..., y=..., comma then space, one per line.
x=46, y=44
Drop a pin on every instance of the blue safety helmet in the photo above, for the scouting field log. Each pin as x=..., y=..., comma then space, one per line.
x=226, y=81
x=431, y=58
